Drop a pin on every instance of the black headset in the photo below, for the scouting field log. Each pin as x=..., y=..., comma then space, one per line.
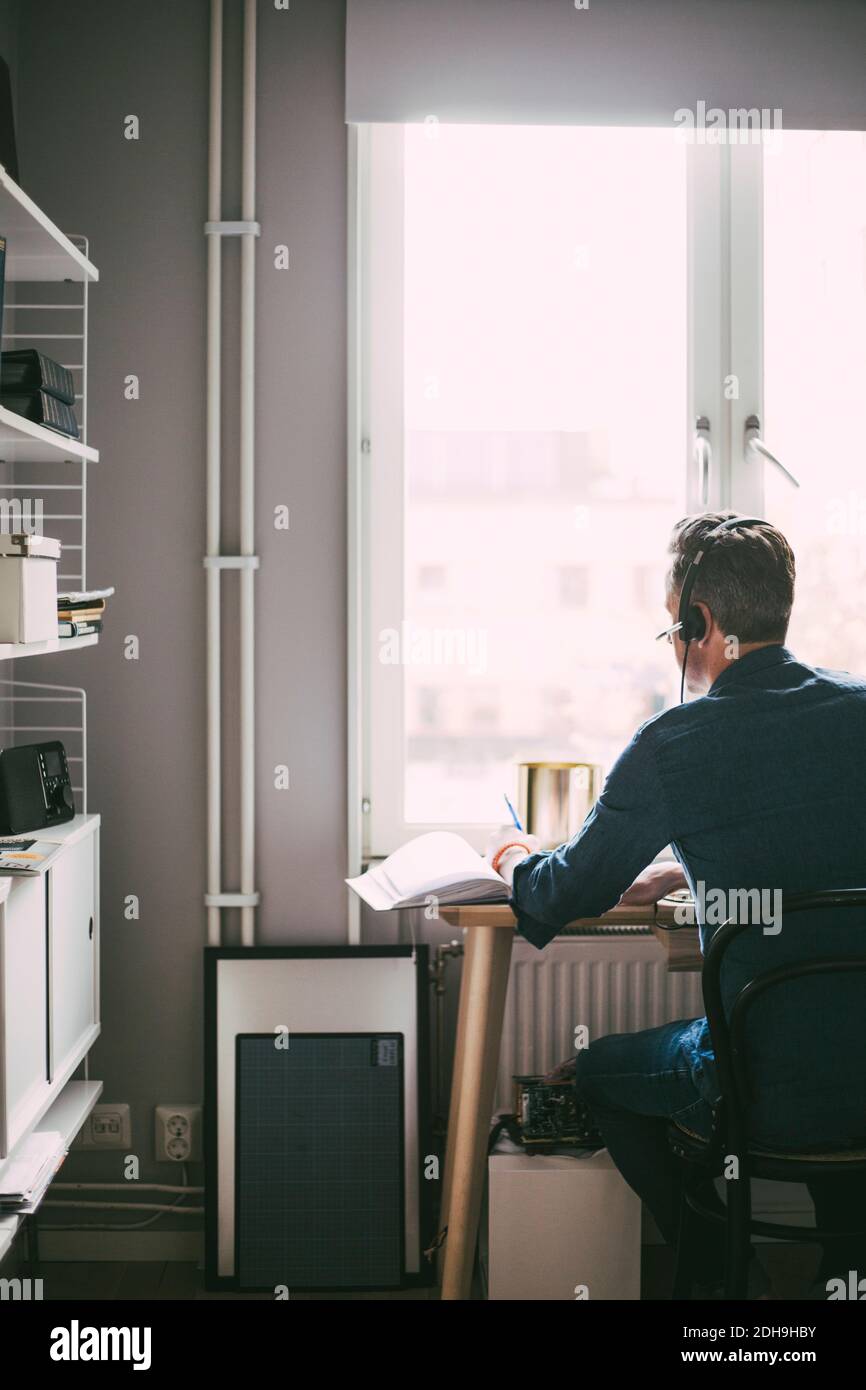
x=690, y=619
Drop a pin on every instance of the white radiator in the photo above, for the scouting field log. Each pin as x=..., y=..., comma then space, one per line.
x=610, y=984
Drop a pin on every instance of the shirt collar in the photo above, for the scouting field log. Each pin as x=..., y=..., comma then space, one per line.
x=758, y=660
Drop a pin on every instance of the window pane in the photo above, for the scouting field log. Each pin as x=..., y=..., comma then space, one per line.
x=545, y=448
x=814, y=373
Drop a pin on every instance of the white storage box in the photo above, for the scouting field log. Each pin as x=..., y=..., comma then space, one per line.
x=28, y=588
x=561, y=1228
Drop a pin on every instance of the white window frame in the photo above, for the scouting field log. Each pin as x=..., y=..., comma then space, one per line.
x=725, y=306
x=725, y=310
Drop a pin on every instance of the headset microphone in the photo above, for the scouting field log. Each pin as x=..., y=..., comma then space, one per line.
x=692, y=626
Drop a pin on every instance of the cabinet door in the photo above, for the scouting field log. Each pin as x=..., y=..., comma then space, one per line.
x=23, y=1009
x=71, y=956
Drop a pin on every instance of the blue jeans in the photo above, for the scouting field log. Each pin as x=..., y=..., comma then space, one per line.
x=634, y=1084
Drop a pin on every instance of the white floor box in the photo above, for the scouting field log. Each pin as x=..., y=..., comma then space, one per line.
x=561, y=1227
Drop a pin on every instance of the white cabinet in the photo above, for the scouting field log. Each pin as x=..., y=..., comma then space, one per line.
x=49, y=977
x=24, y=1005
x=561, y=1227
x=72, y=954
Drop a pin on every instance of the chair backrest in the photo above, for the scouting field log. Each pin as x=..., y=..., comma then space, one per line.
x=728, y=1028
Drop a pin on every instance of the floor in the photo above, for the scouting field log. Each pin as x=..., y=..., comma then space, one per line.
x=153, y=1280
x=790, y=1268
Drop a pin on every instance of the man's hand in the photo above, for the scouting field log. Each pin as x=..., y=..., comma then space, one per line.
x=656, y=881
x=564, y=1072
x=505, y=860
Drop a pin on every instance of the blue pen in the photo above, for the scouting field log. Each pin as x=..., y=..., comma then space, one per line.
x=513, y=814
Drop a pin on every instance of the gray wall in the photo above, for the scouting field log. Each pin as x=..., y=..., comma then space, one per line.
x=82, y=68
x=614, y=62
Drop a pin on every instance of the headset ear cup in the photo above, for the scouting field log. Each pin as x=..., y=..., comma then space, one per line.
x=695, y=625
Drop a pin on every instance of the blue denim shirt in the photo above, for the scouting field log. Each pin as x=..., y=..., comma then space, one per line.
x=759, y=784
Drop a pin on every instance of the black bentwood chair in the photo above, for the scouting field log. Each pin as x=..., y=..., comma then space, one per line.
x=705, y=1159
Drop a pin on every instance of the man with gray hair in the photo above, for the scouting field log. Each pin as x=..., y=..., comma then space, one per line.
x=758, y=784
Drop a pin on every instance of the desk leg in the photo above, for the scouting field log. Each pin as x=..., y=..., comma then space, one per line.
x=454, y=1102
x=479, y=1032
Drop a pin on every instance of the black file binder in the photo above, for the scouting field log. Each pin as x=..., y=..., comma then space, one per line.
x=43, y=409
x=26, y=370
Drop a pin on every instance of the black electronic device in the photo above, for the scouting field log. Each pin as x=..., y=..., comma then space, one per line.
x=549, y=1113
x=35, y=789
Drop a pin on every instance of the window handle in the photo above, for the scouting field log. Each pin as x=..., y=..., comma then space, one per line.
x=703, y=458
x=756, y=445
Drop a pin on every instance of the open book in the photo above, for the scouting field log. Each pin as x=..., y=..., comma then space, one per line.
x=439, y=865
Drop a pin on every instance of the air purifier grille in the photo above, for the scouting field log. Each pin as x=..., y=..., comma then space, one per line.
x=320, y=1200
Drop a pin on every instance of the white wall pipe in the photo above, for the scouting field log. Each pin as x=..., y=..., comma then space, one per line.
x=213, y=575
x=247, y=476
x=246, y=562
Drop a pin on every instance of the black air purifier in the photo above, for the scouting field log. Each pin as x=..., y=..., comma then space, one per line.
x=320, y=1160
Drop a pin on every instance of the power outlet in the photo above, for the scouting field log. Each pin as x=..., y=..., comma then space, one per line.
x=106, y=1127
x=178, y=1133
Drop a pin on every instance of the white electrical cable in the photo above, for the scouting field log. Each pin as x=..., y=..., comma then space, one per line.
x=101, y=1225
x=160, y=1209
x=125, y=1206
x=122, y=1187
x=114, y=1225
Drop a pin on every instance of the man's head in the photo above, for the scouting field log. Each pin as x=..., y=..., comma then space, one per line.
x=743, y=592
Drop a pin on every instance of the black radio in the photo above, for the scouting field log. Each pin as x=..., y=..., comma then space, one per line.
x=35, y=790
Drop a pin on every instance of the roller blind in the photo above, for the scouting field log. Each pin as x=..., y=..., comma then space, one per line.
x=616, y=62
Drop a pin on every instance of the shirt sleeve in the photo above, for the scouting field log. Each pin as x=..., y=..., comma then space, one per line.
x=622, y=834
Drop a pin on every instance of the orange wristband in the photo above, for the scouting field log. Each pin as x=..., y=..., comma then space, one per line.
x=512, y=844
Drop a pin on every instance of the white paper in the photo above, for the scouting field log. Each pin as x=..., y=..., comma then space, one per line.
x=439, y=864
x=31, y=1166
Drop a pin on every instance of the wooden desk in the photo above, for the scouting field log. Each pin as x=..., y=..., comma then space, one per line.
x=483, y=988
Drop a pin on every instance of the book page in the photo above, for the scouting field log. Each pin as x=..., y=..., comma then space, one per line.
x=439, y=863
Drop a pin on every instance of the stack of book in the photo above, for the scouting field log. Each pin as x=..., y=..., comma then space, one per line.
x=27, y=1173
x=80, y=612
x=40, y=389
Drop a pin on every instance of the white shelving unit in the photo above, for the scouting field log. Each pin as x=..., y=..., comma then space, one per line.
x=47, y=278
x=65, y=1116
x=48, y=275
x=25, y=441
x=36, y=247
x=11, y=651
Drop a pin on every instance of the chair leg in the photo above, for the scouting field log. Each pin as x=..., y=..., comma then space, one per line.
x=684, y=1263
x=738, y=1245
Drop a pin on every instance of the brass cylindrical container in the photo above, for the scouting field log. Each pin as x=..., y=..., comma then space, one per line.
x=554, y=799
